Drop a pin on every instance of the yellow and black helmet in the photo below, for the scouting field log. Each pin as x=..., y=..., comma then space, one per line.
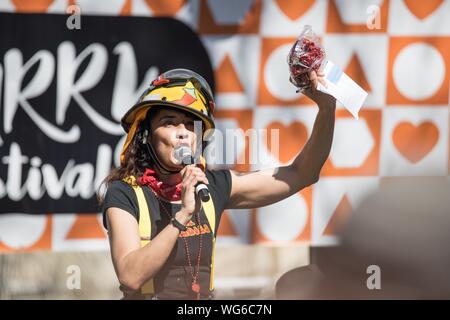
x=181, y=89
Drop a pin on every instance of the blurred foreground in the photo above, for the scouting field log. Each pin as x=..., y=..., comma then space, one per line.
x=242, y=272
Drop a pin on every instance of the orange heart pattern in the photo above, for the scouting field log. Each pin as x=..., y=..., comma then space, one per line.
x=292, y=138
x=295, y=9
x=415, y=142
x=32, y=6
x=423, y=9
x=165, y=8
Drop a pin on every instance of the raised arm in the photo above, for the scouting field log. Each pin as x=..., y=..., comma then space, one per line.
x=264, y=187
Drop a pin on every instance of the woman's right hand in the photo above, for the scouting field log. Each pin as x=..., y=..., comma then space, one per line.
x=190, y=202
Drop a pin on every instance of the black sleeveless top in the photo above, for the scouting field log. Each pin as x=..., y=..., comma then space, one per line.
x=174, y=279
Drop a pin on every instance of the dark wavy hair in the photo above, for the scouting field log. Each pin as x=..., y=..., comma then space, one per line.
x=136, y=157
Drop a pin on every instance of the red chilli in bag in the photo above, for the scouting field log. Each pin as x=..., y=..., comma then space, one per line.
x=307, y=54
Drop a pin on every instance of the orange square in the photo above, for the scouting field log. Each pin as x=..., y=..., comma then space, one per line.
x=335, y=24
x=265, y=97
x=397, y=46
x=370, y=167
x=293, y=137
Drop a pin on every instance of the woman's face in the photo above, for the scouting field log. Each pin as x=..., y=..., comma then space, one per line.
x=169, y=129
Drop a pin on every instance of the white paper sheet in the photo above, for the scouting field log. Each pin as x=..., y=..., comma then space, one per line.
x=343, y=88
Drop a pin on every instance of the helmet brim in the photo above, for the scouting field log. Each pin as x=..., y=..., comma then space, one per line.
x=128, y=119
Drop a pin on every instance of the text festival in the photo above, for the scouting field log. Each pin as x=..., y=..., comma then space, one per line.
x=77, y=179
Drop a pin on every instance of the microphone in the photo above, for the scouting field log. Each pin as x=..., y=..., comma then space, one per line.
x=183, y=154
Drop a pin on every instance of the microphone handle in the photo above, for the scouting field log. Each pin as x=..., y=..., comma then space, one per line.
x=200, y=188
x=202, y=191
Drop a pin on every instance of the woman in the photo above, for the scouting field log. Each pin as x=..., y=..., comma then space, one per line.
x=161, y=234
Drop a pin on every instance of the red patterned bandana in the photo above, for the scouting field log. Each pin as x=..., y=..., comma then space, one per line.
x=162, y=189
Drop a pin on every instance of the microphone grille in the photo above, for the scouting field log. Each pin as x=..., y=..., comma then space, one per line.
x=183, y=154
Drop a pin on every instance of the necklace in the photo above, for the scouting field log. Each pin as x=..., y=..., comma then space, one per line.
x=195, y=285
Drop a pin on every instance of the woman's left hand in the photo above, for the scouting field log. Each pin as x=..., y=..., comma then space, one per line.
x=323, y=100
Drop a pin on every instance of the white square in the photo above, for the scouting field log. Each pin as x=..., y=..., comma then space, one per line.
x=371, y=51
x=403, y=22
x=241, y=220
x=244, y=54
x=275, y=23
x=328, y=194
x=62, y=224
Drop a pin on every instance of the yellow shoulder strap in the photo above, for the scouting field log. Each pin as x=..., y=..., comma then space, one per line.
x=145, y=226
x=210, y=212
x=145, y=229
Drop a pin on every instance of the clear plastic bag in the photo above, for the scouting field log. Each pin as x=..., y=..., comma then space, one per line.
x=306, y=54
